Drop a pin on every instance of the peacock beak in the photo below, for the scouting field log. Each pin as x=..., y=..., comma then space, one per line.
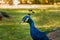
x=20, y=22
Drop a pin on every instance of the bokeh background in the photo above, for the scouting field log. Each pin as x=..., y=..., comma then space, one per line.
x=46, y=19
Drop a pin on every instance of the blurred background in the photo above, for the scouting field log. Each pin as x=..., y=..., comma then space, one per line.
x=18, y=2
x=46, y=17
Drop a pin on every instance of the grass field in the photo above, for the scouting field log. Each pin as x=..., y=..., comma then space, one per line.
x=45, y=20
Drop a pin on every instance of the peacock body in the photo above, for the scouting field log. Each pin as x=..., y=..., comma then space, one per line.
x=34, y=32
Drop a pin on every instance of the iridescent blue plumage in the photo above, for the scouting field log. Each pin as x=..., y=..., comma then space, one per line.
x=34, y=32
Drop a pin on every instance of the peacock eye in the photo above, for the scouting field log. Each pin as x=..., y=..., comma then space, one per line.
x=24, y=19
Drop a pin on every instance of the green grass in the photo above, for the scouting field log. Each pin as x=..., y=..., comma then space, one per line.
x=11, y=29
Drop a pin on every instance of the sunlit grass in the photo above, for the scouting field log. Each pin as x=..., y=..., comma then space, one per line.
x=10, y=29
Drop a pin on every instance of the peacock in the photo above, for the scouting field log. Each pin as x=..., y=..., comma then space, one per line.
x=34, y=32
x=3, y=14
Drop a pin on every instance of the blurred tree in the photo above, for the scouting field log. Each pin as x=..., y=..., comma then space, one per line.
x=41, y=1
x=20, y=1
x=46, y=1
x=32, y=1
x=10, y=2
x=57, y=0
x=51, y=2
x=36, y=1
x=6, y=1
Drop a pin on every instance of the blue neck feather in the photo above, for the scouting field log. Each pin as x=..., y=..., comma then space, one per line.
x=35, y=33
x=31, y=23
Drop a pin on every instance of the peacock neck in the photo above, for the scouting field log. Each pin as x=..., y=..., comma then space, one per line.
x=32, y=24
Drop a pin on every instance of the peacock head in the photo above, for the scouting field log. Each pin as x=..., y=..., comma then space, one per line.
x=26, y=18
